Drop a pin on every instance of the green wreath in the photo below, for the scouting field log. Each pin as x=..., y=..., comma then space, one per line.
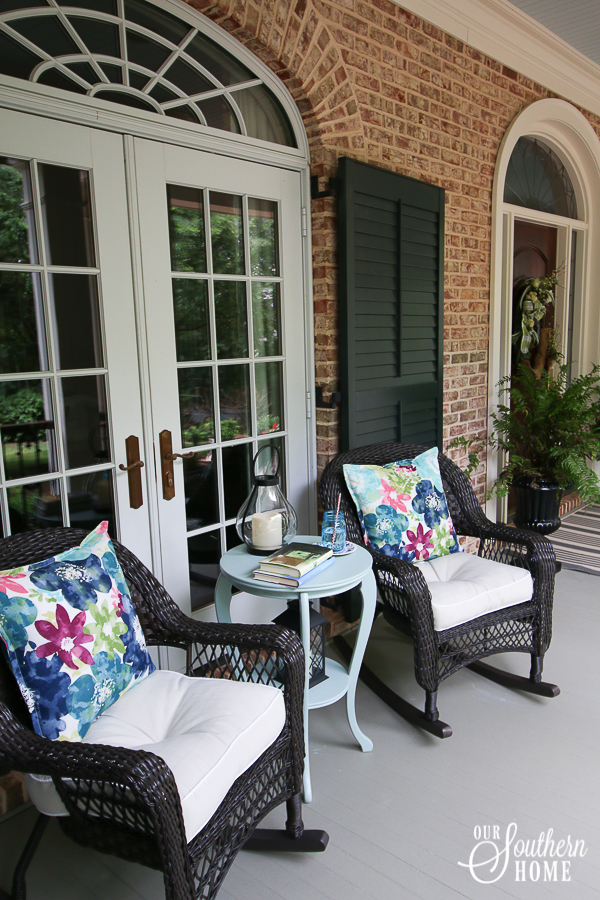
x=536, y=295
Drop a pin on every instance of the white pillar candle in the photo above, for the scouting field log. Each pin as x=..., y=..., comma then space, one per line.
x=267, y=530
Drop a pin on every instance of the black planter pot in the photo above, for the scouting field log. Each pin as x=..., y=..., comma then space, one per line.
x=538, y=502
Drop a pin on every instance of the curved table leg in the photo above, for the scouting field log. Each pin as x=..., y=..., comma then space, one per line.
x=368, y=590
x=305, y=638
x=223, y=591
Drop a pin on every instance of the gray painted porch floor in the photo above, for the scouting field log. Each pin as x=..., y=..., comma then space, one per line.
x=400, y=818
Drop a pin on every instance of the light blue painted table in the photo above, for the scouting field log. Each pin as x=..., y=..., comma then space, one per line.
x=346, y=572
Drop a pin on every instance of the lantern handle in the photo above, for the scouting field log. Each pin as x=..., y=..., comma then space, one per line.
x=271, y=447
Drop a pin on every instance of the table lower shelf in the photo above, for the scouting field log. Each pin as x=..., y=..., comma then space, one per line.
x=334, y=688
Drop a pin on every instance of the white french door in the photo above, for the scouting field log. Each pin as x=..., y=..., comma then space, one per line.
x=69, y=380
x=151, y=291
x=222, y=286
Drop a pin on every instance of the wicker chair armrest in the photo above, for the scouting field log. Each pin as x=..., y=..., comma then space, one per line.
x=24, y=750
x=255, y=639
x=411, y=582
x=538, y=555
x=107, y=781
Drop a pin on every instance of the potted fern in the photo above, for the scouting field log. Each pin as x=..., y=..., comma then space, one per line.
x=546, y=426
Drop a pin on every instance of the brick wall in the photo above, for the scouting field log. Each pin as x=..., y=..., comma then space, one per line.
x=383, y=86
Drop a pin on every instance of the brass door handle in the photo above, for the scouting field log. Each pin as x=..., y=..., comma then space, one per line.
x=134, y=476
x=134, y=465
x=180, y=455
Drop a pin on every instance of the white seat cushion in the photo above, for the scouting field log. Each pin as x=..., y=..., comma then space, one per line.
x=464, y=587
x=207, y=730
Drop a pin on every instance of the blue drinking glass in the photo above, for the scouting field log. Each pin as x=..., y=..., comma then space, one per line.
x=331, y=527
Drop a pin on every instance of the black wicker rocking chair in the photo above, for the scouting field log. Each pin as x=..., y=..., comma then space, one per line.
x=125, y=802
x=405, y=599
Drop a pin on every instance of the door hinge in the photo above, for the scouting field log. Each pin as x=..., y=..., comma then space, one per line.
x=304, y=225
x=308, y=405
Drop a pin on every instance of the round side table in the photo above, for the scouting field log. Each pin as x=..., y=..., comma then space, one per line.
x=350, y=571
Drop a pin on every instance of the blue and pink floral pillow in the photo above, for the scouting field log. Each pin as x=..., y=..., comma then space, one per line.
x=402, y=507
x=73, y=637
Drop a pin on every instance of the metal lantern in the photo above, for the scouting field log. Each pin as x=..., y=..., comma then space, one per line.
x=266, y=521
x=290, y=618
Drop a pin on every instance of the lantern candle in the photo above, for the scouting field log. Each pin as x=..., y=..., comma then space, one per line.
x=267, y=530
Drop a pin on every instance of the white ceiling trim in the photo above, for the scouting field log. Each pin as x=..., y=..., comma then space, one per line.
x=500, y=30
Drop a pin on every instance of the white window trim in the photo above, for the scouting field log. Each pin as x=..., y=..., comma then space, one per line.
x=572, y=137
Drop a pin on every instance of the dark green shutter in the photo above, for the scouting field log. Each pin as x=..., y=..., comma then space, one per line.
x=391, y=292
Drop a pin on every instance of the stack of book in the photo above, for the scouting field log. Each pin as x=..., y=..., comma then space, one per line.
x=294, y=565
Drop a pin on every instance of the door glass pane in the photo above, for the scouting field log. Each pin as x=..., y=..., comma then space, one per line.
x=572, y=299
x=232, y=537
x=192, y=325
x=22, y=330
x=201, y=492
x=186, y=229
x=269, y=393
x=82, y=401
x=91, y=500
x=266, y=318
x=66, y=211
x=230, y=317
x=74, y=305
x=196, y=406
x=237, y=470
x=204, y=552
x=27, y=428
x=33, y=506
x=17, y=230
x=234, y=401
x=262, y=225
x=227, y=236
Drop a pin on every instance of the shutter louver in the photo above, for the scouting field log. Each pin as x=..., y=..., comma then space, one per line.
x=391, y=232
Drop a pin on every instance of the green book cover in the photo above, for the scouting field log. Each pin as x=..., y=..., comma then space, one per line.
x=297, y=559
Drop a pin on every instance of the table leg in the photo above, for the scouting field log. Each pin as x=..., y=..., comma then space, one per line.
x=305, y=638
x=223, y=591
x=368, y=589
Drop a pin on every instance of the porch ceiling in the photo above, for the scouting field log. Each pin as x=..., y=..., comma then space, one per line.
x=576, y=22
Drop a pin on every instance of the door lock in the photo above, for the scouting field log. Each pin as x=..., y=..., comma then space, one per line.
x=134, y=476
x=166, y=463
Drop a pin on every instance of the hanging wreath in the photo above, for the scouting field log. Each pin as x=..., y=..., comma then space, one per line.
x=536, y=295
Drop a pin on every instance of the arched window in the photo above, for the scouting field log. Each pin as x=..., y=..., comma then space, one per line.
x=537, y=179
x=547, y=180
x=139, y=55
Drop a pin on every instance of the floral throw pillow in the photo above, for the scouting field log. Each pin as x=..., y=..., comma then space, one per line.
x=402, y=507
x=73, y=637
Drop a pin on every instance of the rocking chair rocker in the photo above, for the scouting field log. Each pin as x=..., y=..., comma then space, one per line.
x=407, y=600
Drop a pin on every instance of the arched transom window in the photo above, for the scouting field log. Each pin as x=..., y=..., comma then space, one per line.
x=536, y=178
x=137, y=54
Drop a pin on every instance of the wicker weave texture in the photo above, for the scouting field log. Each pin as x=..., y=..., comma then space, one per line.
x=126, y=802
